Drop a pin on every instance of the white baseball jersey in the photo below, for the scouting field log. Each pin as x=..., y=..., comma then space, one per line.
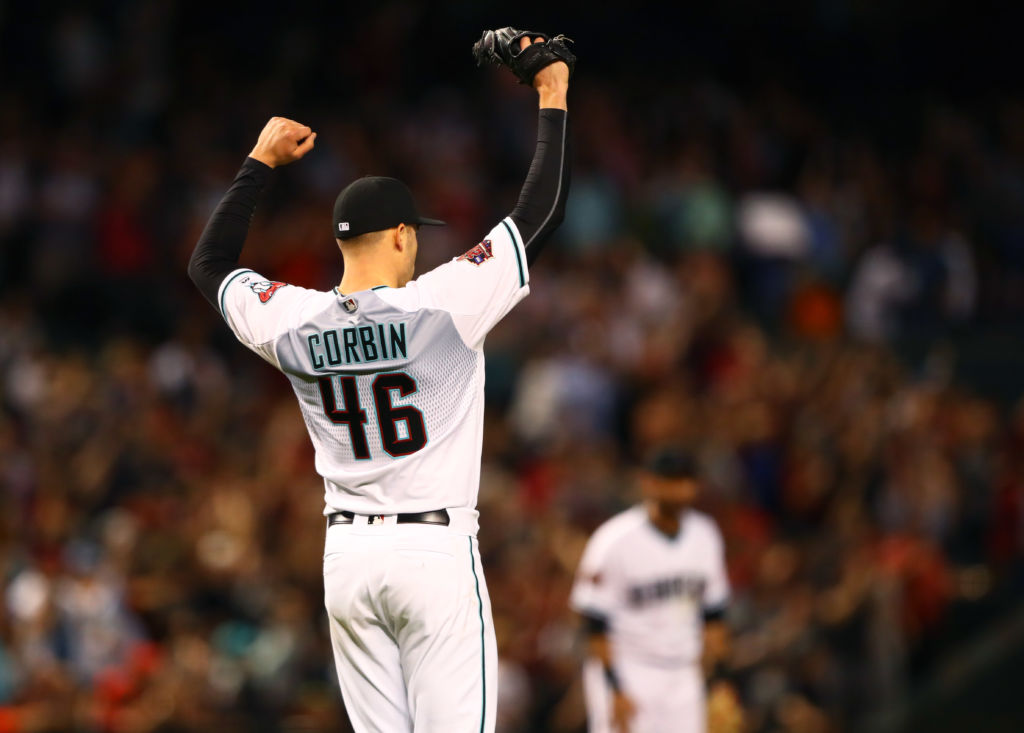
x=390, y=380
x=652, y=589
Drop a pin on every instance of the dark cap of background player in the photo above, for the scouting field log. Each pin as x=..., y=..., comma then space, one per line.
x=375, y=203
x=671, y=462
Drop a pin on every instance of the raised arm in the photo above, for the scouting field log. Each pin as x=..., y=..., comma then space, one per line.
x=282, y=141
x=541, y=205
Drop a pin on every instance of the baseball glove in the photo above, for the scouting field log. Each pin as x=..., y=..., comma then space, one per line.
x=501, y=48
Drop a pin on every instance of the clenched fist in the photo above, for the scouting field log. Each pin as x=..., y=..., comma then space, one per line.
x=282, y=141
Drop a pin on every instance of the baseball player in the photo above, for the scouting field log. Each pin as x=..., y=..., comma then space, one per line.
x=389, y=375
x=651, y=582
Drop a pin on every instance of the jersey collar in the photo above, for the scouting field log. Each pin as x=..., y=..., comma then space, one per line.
x=337, y=290
x=662, y=533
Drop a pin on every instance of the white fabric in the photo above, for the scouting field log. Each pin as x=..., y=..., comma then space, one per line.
x=667, y=699
x=652, y=590
x=411, y=627
x=441, y=319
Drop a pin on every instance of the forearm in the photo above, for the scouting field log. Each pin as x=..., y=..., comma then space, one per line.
x=553, y=97
x=716, y=646
x=218, y=249
x=599, y=647
x=541, y=205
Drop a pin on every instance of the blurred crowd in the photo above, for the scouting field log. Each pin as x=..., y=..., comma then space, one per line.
x=737, y=273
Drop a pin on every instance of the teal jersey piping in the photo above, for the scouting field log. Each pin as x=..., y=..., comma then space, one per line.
x=519, y=257
x=483, y=662
x=224, y=290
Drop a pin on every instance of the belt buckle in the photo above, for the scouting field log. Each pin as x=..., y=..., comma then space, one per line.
x=375, y=519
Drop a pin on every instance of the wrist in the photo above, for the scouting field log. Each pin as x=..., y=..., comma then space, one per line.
x=612, y=678
x=264, y=159
x=553, y=97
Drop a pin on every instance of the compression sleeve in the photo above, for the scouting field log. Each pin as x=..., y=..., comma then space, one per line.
x=714, y=614
x=216, y=254
x=541, y=205
x=594, y=623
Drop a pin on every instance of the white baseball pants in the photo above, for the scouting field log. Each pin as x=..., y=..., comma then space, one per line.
x=668, y=699
x=411, y=626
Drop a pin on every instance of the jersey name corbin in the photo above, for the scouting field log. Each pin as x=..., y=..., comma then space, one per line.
x=357, y=345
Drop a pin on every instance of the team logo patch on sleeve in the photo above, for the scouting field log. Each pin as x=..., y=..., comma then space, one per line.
x=479, y=254
x=266, y=289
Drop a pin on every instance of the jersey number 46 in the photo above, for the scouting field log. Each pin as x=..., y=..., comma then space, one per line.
x=389, y=417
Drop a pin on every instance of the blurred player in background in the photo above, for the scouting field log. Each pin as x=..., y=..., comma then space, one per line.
x=652, y=590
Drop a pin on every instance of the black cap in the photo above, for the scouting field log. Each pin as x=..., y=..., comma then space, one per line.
x=374, y=203
x=671, y=463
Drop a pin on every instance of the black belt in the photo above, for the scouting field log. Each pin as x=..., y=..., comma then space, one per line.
x=435, y=516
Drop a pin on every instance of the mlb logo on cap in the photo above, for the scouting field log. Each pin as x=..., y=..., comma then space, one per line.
x=373, y=204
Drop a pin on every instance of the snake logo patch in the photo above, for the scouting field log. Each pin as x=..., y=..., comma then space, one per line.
x=266, y=289
x=479, y=254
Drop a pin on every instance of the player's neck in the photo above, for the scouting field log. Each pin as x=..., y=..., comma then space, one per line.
x=668, y=523
x=354, y=285
x=363, y=276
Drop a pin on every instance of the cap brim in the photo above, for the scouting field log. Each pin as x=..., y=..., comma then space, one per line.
x=431, y=222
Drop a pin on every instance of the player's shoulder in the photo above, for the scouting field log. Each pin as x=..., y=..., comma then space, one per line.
x=618, y=529
x=409, y=297
x=502, y=244
x=429, y=291
x=703, y=525
x=309, y=299
x=303, y=305
x=260, y=289
x=267, y=303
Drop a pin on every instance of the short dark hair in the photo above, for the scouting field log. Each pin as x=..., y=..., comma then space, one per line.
x=360, y=239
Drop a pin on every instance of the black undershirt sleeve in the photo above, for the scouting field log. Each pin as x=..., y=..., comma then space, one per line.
x=216, y=254
x=541, y=205
x=714, y=614
x=539, y=211
x=594, y=623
